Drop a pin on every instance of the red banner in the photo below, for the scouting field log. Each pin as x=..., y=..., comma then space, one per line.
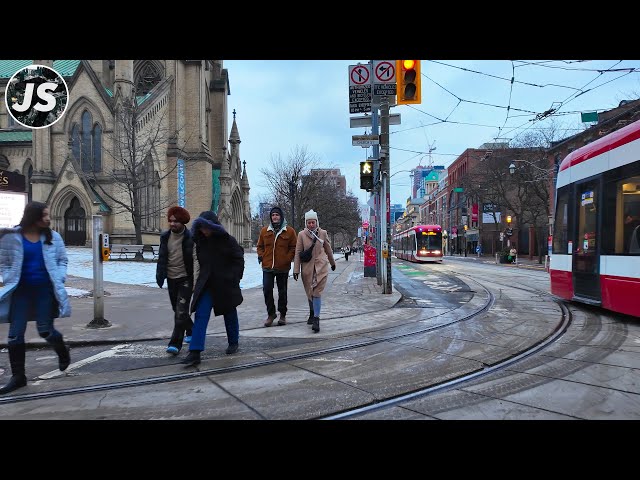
x=474, y=213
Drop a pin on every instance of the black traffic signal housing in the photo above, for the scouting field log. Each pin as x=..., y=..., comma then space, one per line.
x=366, y=175
x=408, y=78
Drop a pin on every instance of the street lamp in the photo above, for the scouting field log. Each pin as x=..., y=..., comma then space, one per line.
x=512, y=168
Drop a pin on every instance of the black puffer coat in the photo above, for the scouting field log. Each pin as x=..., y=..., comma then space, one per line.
x=221, y=265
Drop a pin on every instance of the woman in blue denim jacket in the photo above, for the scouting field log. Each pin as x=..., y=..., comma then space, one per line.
x=33, y=263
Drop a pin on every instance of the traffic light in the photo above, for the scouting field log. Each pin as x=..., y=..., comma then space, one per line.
x=366, y=175
x=509, y=220
x=408, y=79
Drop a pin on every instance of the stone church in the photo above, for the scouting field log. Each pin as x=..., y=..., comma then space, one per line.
x=85, y=165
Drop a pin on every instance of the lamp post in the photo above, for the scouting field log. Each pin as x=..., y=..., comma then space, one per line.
x=292, y=194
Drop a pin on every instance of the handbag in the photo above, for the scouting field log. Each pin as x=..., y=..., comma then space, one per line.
x=305, y=255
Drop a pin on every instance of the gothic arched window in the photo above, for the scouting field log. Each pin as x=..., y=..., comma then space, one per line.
x=86, y=143
x=97, y=147
x=147, y=76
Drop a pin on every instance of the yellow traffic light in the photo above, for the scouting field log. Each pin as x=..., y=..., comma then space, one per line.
x=509, y=219
x=466, y=227
x=408, y=77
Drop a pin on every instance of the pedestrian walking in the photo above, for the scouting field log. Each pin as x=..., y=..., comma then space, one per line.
x=175, y=264
x=217, y=270
x=347, y=252
x=316, y=270
x=33, y=263
x=276, y=248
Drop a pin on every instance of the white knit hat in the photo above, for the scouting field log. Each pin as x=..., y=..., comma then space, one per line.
x=311, y=215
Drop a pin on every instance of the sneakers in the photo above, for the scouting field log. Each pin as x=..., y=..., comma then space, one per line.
x=192, y=359
x=173, y=350
x=233, y=348
x=187, y=339
x=282, y=320
x=269, y=320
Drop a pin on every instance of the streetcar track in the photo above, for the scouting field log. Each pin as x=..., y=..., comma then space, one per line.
x=485, y=307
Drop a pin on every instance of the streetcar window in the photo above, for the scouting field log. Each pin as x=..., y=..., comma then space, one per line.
x=627, y=215
x=561, y=223
x=431, y=241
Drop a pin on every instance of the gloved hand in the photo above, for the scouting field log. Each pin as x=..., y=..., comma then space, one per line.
x=333, y=267
x=295, y=276
x=259, y=259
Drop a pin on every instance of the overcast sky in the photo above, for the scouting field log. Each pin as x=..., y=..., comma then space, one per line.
x=281, y=104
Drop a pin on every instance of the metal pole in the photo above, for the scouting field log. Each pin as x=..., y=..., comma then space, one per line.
x=376, y=171
x=292, y=193
x=98, y=287
x=385, y=164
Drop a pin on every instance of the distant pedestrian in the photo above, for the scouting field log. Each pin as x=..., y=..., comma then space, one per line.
x=217, y=271
x=175, y=264
x=276, y=248
x=316, y=270
x=513, y=254
x=347, y=252
x=33, y=263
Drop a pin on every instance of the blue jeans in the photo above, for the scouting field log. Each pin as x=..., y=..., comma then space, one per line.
x=202, y=315
x=32, y=302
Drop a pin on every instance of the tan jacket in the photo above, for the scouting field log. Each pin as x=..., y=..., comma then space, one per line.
x=322, y=257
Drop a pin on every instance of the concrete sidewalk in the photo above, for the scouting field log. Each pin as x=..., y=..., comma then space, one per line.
x=139, y=313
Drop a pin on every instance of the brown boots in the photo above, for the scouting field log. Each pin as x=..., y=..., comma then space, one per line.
x=269, y=321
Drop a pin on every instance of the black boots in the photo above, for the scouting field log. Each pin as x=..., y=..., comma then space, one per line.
x=63, y=353
x=192, y=359
x=316, y=324
x=18, y=378
x=310, y=320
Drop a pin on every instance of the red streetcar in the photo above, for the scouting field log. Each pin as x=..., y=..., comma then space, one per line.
x=595, y=256
x=422, y=243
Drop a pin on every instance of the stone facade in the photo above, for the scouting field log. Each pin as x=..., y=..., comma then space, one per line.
x=182, y=104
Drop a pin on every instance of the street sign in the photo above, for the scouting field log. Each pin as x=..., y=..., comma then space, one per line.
x=365, y=140
x=384, y=81
x=359, y=88
x=359, y=75
x=384, y=71
x=365, y=120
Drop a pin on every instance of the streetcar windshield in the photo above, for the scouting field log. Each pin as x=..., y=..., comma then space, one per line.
x=429, y=240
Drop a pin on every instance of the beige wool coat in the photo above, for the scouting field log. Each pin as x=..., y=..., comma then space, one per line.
x=314, y=272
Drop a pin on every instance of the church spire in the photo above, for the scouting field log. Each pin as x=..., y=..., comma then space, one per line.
x=234, y=138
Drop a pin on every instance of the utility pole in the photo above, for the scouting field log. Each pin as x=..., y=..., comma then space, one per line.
x=385, y=166
x=376, y=189
x=292, y=194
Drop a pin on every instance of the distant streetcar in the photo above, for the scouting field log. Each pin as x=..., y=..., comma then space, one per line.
x=595, y=256
x=422, y=243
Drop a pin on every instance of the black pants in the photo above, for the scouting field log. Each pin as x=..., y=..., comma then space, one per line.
x=267, y=289
x=180, y=290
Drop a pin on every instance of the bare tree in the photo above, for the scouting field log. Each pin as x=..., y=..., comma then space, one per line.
x=140, y=138
x=295, y=189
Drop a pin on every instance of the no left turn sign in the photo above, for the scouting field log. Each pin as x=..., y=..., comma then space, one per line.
x=385, y=71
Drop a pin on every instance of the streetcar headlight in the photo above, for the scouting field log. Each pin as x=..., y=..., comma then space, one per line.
x=437, y=252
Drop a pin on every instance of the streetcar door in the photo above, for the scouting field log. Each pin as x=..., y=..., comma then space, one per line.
x=586, y=250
